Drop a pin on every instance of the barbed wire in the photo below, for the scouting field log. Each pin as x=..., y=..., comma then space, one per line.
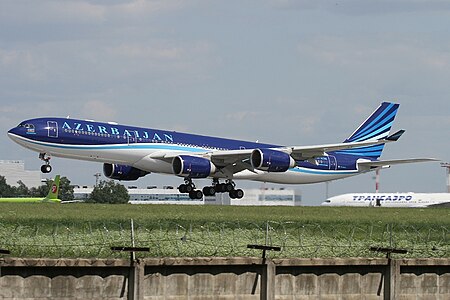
x=224, y=239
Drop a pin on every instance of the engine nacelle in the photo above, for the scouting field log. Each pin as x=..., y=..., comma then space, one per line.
x=192, y=166
x=122, y=172
x=271, y=160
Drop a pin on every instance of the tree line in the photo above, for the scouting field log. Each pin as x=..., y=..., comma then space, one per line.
x=21, y=190
x=104, y=192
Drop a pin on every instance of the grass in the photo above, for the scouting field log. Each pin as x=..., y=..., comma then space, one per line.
x=80, y=212
x=88, y=230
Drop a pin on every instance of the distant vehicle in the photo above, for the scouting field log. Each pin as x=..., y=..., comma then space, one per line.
x=390, y=200
x=129, y=152
x=52, y=195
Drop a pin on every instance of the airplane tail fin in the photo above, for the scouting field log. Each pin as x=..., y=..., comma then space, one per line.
x=53, y=192
x=377, y=126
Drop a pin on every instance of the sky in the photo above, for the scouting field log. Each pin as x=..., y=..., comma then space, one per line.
x=278, y=71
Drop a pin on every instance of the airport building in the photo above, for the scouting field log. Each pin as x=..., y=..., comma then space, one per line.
x=14, y=170
x=171, y=195
x=270, y=197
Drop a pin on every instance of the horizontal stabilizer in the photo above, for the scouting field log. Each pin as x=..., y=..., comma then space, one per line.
x=383, y=163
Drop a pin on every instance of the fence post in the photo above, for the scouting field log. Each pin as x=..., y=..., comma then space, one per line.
x=392, y=279
x=137, y=270
x=136, y=281
x=268, y=272
x=268, y=280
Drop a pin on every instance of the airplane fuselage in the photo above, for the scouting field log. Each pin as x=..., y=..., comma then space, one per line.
x=390, y=200
x=27, y=200
x=140, y=147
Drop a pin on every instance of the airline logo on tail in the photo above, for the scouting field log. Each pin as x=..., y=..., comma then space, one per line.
x=376, y=127
x=53, y=192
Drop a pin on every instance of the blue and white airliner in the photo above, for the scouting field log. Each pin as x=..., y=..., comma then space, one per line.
x=419, y=200
x=129, y=152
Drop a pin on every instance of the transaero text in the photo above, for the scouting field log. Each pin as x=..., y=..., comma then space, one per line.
x=381, y=197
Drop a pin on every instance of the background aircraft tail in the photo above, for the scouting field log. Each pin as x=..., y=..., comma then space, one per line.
x=54, y=190
x=376, y=126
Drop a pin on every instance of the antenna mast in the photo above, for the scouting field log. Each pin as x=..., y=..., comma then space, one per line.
x=447, y=165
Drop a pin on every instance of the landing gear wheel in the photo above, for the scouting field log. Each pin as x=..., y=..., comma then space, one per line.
x=228, y=187
x=46, y=168
x=185, y=188
x=209, y=191
x=224, y=187
x=196, y=194
x=236, y=194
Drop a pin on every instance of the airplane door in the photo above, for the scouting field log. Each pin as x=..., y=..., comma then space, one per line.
x=132, y=139
x=323, y=162
x=333, y=162
x=52, y=129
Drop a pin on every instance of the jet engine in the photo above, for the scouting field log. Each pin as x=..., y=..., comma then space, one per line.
x=271, y=160
x=192, y=166
x=122, y=172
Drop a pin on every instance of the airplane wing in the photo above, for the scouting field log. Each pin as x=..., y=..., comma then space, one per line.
x=225, y=157
x=234, y=161
x=300, y=152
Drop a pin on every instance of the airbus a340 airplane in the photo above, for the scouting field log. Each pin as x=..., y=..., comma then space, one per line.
x=131, y=152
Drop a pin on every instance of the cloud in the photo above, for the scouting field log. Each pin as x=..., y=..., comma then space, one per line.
x=146, y=53
x=357, y=7
x=64, y=67
x=239, y=116
x=49, y=11
x=146, y=7
x=83, y=12
x=22, y=62
x=99, y=110
x=377, y=52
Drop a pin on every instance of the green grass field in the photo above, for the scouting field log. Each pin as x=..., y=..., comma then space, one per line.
x=88, y=230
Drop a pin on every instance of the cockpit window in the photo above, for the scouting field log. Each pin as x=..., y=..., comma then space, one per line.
x=26, y=125
x=30, y=129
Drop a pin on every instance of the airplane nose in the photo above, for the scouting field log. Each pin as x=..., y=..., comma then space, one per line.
x=13, y=133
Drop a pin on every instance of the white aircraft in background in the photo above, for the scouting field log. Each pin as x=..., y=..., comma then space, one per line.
x=128, y=152
x=390, y=200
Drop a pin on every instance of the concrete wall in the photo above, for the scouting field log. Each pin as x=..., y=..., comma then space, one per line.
x=225, y=278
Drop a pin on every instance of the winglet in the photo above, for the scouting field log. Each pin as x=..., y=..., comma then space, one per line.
x=394, y=137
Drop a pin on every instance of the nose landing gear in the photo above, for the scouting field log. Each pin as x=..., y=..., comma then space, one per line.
x=46, y=168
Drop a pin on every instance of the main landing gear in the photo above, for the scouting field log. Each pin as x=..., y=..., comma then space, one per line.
x=46, y=168
x=189, y=187
x=216, y=187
